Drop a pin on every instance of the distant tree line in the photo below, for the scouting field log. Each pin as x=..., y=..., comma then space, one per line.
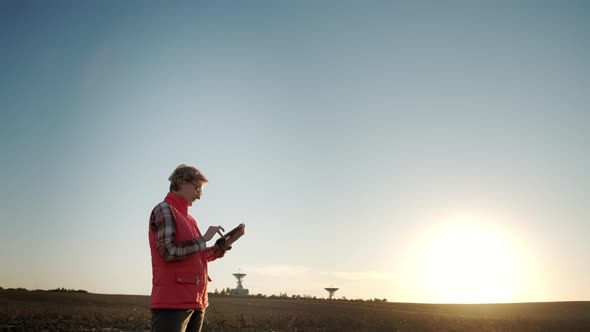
x=68, y=290
x=14, y=289
x=227, y=292
x=216, y=293
x=59, y=290
x=223, y=292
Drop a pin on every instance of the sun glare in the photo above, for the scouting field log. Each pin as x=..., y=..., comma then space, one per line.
x=471, y=263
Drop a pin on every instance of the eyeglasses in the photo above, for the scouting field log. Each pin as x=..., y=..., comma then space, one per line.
x=198, y=188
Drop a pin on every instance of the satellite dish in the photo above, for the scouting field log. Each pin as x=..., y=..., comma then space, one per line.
x=331, y=290
x=239, y=290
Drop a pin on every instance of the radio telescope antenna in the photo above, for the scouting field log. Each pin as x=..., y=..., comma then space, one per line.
x=331, y=290
x=239, y=290
x=239, y=276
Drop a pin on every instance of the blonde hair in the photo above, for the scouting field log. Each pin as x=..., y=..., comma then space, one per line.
x=184, y=173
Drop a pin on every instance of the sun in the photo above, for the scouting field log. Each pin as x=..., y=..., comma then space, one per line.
x=468, y=262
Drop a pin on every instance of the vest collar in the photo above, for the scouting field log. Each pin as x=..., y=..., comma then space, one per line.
x=177, y=202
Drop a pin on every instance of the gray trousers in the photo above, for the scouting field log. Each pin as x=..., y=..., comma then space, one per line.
x=177, y=320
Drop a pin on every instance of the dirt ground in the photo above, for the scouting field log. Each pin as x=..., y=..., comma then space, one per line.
x=48, y=311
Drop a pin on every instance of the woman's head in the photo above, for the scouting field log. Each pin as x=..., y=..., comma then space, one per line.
x=188, y=182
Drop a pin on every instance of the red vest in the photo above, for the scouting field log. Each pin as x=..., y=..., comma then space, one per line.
x=180, y=284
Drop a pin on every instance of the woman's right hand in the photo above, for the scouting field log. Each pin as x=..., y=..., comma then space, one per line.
x=211, y=232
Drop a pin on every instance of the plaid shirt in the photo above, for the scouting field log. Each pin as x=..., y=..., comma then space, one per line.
x=162, y=222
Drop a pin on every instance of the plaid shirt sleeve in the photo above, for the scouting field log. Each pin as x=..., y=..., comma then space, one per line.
x=162, y=222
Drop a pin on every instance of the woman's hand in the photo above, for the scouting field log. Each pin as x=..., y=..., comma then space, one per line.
x=211, y=232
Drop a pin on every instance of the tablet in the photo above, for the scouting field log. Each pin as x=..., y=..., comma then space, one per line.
x=233, y=232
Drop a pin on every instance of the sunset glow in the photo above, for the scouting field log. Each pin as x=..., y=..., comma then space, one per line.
x=467, y=262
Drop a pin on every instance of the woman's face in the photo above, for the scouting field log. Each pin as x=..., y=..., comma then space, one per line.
x=191, y=191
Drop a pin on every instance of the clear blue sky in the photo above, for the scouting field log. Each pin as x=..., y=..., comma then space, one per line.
x=351, y=137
